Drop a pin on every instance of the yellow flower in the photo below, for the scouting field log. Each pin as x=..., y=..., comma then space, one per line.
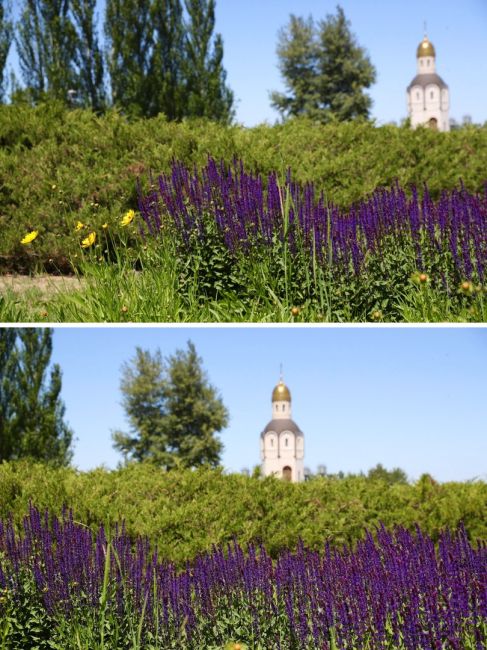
x=29, y=237
x=89, y=241
x=105, y=226
x=128, y=217
x=79, y=225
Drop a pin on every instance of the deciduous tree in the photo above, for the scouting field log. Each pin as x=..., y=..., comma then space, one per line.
x=129, y=38
x=173, y=411
x=324, y=69
x=166, y=62
x=89, y=58
x=297, y=51
x=5, y=41
x=206, y=92
x=46, y=45
x=32, y=412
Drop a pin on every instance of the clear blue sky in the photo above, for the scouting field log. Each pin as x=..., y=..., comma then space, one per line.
x=390, y=30
x=407, y=397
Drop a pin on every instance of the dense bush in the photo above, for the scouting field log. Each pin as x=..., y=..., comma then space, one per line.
x=186, y=512
x=58, y=167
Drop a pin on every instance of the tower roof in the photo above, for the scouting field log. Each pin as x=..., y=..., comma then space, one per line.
x=278, y=426
x=425, y=48
x=281, y=393
x=427, y=79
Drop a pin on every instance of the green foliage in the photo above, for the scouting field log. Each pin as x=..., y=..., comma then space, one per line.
x=391, y=477
x=46, y=45
x=6, y=33
x=90, y=91
x=297, y=53
x=324, y=70
x=129, y=34
x=206, y=93
x=173, y=411
x=186, y=511
x=166, y=63
x=32, y=412
x=58, y=167
x=160, y=63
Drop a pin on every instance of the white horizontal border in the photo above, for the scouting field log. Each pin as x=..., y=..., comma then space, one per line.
x=303, y=326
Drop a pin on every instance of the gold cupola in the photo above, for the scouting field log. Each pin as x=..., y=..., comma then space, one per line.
x=281, y=393
x=425, y=48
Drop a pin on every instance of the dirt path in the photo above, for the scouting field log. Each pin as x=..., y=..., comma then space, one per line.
x=46, y=284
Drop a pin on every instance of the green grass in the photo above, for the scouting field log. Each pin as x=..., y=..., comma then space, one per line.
x=154, y=287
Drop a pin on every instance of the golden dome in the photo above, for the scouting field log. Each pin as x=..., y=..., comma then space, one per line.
x=425, y=48
x=281, y=393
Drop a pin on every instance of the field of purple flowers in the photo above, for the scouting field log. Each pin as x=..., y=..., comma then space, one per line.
x=62, y=587
x=232, y=226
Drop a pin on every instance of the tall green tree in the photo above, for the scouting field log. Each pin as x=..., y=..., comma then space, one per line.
x=129, y=38
x=8, y=337
x=6, y=33
x=206, y=92
x=297, y=51
x=46, y=45
x=166, y=61
x=142, y=387
x=324, y=69
x=344, y=70
x=32, y=411
x=173, y=411
x=89, y=57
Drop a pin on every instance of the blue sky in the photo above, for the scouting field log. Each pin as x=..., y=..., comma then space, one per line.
x=390, y=30
x=407, y=397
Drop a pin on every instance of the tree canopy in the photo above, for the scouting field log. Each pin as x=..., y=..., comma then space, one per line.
x=172, y=409
x=324, y=69
x=31, y=411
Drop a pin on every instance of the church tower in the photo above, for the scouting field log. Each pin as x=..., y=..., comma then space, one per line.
x=282, y=441
x=428, y=95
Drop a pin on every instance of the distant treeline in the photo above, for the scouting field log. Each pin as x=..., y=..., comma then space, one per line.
x=159, y=56
x=186, y=512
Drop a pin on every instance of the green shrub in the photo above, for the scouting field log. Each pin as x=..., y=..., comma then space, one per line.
x=186, y=512
x=58, y=167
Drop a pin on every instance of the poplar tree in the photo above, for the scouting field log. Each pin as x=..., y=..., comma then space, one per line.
x=5, y=41
x=173, y=411
x=129, y=38
x=206, y=92
x=324, y=69
x=32, y=411
x=8, y=338
x=46, y=46
x=89, y=58
x=166, y=63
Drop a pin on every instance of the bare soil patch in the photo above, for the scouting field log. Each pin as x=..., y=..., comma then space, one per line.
x=44, y=283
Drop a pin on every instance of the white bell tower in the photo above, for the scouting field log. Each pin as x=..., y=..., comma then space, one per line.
x=282, y=441
x=427, y=94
